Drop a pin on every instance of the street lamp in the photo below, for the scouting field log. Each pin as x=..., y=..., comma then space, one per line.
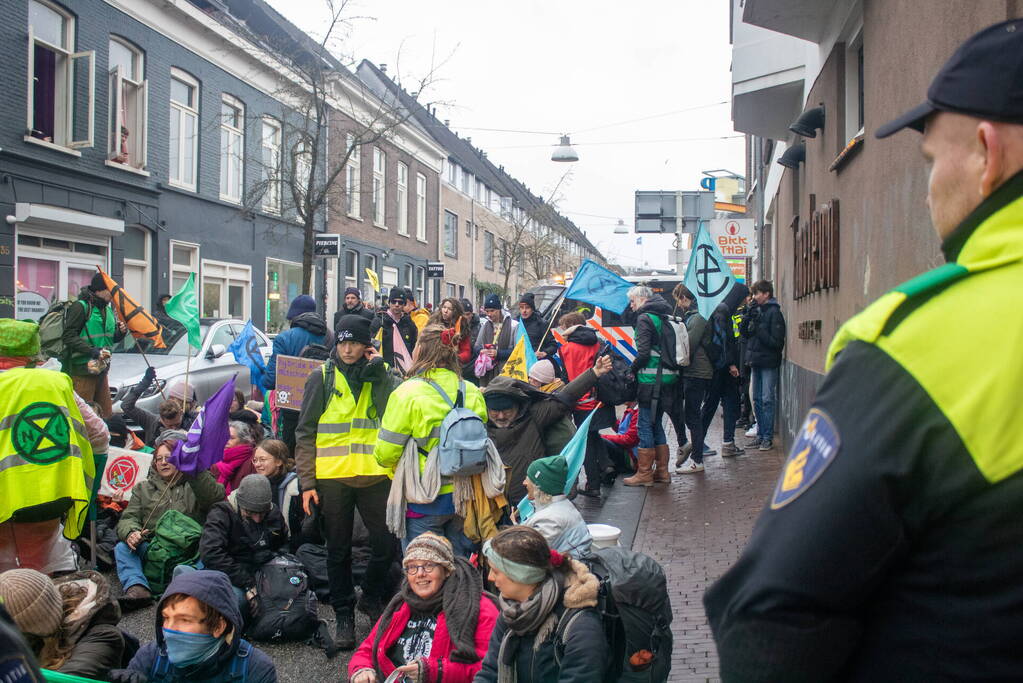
x=621, y=228
x=564, y=151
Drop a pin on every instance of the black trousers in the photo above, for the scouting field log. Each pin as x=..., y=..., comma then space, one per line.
x=596, y=460
x=287, y=421
x=695, y=390
x=337, y=505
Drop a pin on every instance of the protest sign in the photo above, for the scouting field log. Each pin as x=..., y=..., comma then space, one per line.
x=124, y=470
x=292, y=373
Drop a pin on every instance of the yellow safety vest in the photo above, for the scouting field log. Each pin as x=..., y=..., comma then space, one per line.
x=45, y=454
x=346, y=434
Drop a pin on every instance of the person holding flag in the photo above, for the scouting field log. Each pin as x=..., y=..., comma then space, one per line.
x=396, y=348
x=536, y=327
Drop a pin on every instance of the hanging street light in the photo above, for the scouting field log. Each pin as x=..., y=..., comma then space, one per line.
x=621, y=228
x=564, y=151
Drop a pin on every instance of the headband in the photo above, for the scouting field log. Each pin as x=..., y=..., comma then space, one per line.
x=520, y=573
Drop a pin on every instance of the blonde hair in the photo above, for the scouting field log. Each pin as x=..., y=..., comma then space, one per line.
x=432, y=353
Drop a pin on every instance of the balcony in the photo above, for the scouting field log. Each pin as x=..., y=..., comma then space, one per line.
x=806, y=19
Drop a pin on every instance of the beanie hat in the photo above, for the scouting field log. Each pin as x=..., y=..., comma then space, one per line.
x=18, y=337
x=32, y=601
x=353, y=328
x=492, y=301
x=542, y=371
x=253, y=494
x=98, y=283
x=549, y=474
x=429, y=547
x=177, y=390
x=500, y=401
x=529, y=299
x=172, y=435
x=397, y=294
x=353, y=290
x=303, y=303
x=466, y=306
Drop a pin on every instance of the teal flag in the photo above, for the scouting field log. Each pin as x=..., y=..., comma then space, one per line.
x=184, y=307
x=530, y=353
x=594, y=284
x=575, y=452
x=708, y=275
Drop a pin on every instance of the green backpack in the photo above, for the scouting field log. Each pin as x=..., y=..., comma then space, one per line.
x=175, y=541
x=51, y=329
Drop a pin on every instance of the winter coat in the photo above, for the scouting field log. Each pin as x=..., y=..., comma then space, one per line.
x=238, y=547
x=564, y=528
x=149, y=421
x=306, y=329
x=439, y=666
x=149, y=500
x=629, y=438
x=536, y=327
x=91, y=628
x=724, y=329
x=700, y=334
x=764, y=328
x=77, y=349
x=359, y=309
x=236, y=465
x=647, y=340
x=213, y=591
x=471, y=334
x=504, y=343
x=579, y=353
x=406, y=327
x=420, y=317
x=288, y=498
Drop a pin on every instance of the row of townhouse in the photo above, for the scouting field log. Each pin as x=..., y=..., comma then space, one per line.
x=843, y=218
x=158, y=140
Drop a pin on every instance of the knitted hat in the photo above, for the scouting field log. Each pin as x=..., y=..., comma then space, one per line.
x=549, y=474
x=177, y=389
x=542, y=371
x=529, y=299
x=253, y=494
x=429, y=547
x=172, y=435
x=397, y=294
x=18, y=337
x=303, y=303
x=466, y=306
x=98, y=283
x=353, y=290
x=492, y=301
x=32, y=601
x=354, y=328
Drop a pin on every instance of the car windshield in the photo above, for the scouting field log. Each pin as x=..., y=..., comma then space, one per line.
x=175, y=339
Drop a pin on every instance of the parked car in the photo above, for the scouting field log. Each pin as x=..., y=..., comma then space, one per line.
x=210, y=366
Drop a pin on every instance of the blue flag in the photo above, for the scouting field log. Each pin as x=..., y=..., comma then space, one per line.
x=575, y=452
x=595, y=284
x=207, y=436
x=708, y=275
x=247, y=352
x=520, y=331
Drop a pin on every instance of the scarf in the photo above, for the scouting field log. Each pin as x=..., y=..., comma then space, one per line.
x=534, y=615
x=234, y=458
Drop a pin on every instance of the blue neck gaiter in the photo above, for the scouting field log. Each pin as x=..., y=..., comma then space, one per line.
x=186, y=649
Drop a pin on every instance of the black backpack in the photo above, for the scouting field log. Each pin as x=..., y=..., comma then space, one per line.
x=618, y=385
x=287, y=607
x=636, y=610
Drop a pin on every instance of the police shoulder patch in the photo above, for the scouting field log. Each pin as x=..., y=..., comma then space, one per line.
x=815, y=448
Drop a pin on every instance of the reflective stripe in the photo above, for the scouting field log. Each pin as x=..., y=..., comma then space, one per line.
x=363, y=448
x=331, y=451
x=338, y=428
x=15, y=460
x=397, y=438
x=365, y=423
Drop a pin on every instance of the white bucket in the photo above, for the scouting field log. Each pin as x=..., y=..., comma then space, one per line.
x=604, y=535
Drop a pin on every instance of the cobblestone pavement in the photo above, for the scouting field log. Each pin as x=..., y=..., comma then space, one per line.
x=696, y=527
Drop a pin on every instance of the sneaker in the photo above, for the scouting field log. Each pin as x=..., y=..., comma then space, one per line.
x=683, y=453
x=708, y=451
x=344, y=635
x=689, y=467
x=752, y=431
x=730, y=450
x=766, y=445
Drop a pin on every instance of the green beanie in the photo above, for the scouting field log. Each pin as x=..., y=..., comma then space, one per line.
x=549, y=474
x=18, y=337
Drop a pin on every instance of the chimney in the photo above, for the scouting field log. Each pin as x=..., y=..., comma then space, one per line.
x=469, y=140
x=383, y=68
x=447, y=123
x=415, y=94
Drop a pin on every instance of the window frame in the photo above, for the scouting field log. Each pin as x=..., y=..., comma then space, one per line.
x=450, y=241
x=174, y=268
x=352, y=278
x=235, y=176
x=353, y=178
x=143, y=265
x=409, y=274
x=368, y=259
x=421, y=207
x=379, y=188
x=223, y=271
x=184, y=112
x=488, y=250
x=402, y=198
x=271, y=172
x=118, y=113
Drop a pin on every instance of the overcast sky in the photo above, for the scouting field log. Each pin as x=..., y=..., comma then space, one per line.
x=567, y=66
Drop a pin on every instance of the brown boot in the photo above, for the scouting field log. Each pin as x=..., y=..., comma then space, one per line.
x=644, y=473
x=136, y=597
x=661, y=473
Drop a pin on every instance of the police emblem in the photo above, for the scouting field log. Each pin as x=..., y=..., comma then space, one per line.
x=41, y=434
x=815, y=448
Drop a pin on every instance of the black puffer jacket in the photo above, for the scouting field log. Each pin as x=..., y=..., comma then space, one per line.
x=238, y=547
x=536, y=328
x=360, y=309
x=406, y=328
x=646, y=341
x=764, y=327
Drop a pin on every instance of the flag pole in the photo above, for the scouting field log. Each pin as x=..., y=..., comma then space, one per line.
x=551, y=323
x=188, y=364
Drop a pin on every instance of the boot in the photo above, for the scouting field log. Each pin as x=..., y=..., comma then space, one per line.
x=661, y=473
x=136, y=597
x=644, y=473
x=344, y=636
x=683, y=453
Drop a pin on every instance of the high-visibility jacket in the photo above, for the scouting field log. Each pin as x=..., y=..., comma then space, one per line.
x=45, y=454
x=347, y=434
x=100, y=326
x=894, y=534
x=648, y=374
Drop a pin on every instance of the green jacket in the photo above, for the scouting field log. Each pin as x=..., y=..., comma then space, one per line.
x=150, y=499
x=77, y=348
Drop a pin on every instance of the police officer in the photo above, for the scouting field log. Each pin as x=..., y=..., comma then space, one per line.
x=892, y=547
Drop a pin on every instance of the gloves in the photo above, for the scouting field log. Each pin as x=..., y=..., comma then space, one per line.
x=149, y=376
x=126, y=676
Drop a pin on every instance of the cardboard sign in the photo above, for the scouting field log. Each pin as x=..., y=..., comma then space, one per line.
x=124, y=470
x=292, y=373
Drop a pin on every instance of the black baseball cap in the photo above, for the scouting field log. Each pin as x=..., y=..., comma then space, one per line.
x=984, y=78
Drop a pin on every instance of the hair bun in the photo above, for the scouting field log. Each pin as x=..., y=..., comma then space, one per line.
x=557, y=559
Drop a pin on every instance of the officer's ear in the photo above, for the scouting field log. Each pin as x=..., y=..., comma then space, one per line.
x=992, y=139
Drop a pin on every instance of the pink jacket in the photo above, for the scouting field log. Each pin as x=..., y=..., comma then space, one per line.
x=439, y=666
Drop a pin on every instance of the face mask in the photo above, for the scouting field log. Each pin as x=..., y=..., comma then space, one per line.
x=186, y=649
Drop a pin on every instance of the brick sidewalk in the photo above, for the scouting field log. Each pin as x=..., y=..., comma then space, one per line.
x=696, y=527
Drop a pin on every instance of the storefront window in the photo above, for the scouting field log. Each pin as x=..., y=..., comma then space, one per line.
x=37, y=287
x=283, y=284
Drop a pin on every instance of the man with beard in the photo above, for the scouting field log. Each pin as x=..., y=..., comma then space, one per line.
x=353, y=306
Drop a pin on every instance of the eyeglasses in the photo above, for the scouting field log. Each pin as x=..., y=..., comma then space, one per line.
x=427, y=568
x=161, y=458
x=262, y=461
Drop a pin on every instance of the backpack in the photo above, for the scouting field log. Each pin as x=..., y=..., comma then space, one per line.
x=51, y=328
x=463, y=436
x=315, y=351
x=239, y=670
x=673, y=340
x=175, y=541
x=715, y=345
x=636, y=611
x=618, y=385
x=287, y=606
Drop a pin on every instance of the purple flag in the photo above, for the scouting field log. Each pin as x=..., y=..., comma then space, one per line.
x=207, y=436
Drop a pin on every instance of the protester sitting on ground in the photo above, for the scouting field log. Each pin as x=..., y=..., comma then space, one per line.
x=450, y=315
x=438, y=625
x=165, y=488
x=623, y=443
x=272, y=459
x=169, y=413
x=520, y=416
x=539, y=587
x=555, y=517
x=237, y=462
x=198, y=638
x=70, y=623
x=241, y=534
x=543, y=375
x=238, y=402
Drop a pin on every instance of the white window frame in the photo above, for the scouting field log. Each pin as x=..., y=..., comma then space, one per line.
x=402, y=191
x=420, y=207
x=488, y=241
x=120, y=85
x=369, y=262
x=466, y=184
x=379, y=188
x=144, y=264
x=64, y=95
x=452, y=173
x=302, y=166
x=270, y=161
x=423, y=294
x=228, y=274
x=852, y=83
x=450, y=234
x=352, y=278
x=177, y=269
x=389, y=277
x=266, y=280
x=409, y=274
x=232, y=154
x=183, y=113
x=353, y=178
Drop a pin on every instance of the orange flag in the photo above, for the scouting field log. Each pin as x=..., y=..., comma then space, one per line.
x=140, y=323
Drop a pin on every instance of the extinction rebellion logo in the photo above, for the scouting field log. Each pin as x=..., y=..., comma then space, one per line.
x=41, y=434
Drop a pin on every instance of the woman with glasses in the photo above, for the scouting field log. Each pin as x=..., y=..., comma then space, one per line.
x=273, y=460
x=436, y=627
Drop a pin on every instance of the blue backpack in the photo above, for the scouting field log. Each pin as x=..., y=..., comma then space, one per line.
x=463, y=437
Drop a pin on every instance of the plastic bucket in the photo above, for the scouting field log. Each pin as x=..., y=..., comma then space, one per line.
x=604, y=535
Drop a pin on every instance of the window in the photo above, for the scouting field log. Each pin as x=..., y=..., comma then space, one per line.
x=351, y=269
x=226, y=290
x=61, y=81
x=303, y=165
x=466, y=181
x=420, y=207
x=450, y=234
x=488, y=250
x=270, y=158
x=421, y=293
x=232, y=145
x=854, y=86
x=468, y=229
x=409, y=274
x=451, y=290
x=402, y=199
x=506, y=208
x=389, y=278
x=283, y=283
x=502, y=255
x=129, y=96
x=353, y=181
x=370, y=262
x=184, y=260
x=136, y=263
x=479, y=191
x=452, y=173
x=379, y=192
x=184, y=129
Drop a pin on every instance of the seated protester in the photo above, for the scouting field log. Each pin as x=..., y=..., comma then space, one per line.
x=539, y=587
x=555, y=517
x=169, y=414
x=438, y=625
x=121, y=435
x=543, y=375
x=237, y=462
x=273, y=461
x=164, y=489
x=621, y=446
x=238, y=402
x=242, y=534
x=519, y=417
x=70, y=623
x=198, y=638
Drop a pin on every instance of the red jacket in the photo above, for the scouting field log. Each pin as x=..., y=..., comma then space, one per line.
x=630, y=438
x=578, y=358
x=439, y=666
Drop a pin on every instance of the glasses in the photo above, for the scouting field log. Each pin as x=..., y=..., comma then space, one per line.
x=427, y=568
x=262, y=461
x=161, y=458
